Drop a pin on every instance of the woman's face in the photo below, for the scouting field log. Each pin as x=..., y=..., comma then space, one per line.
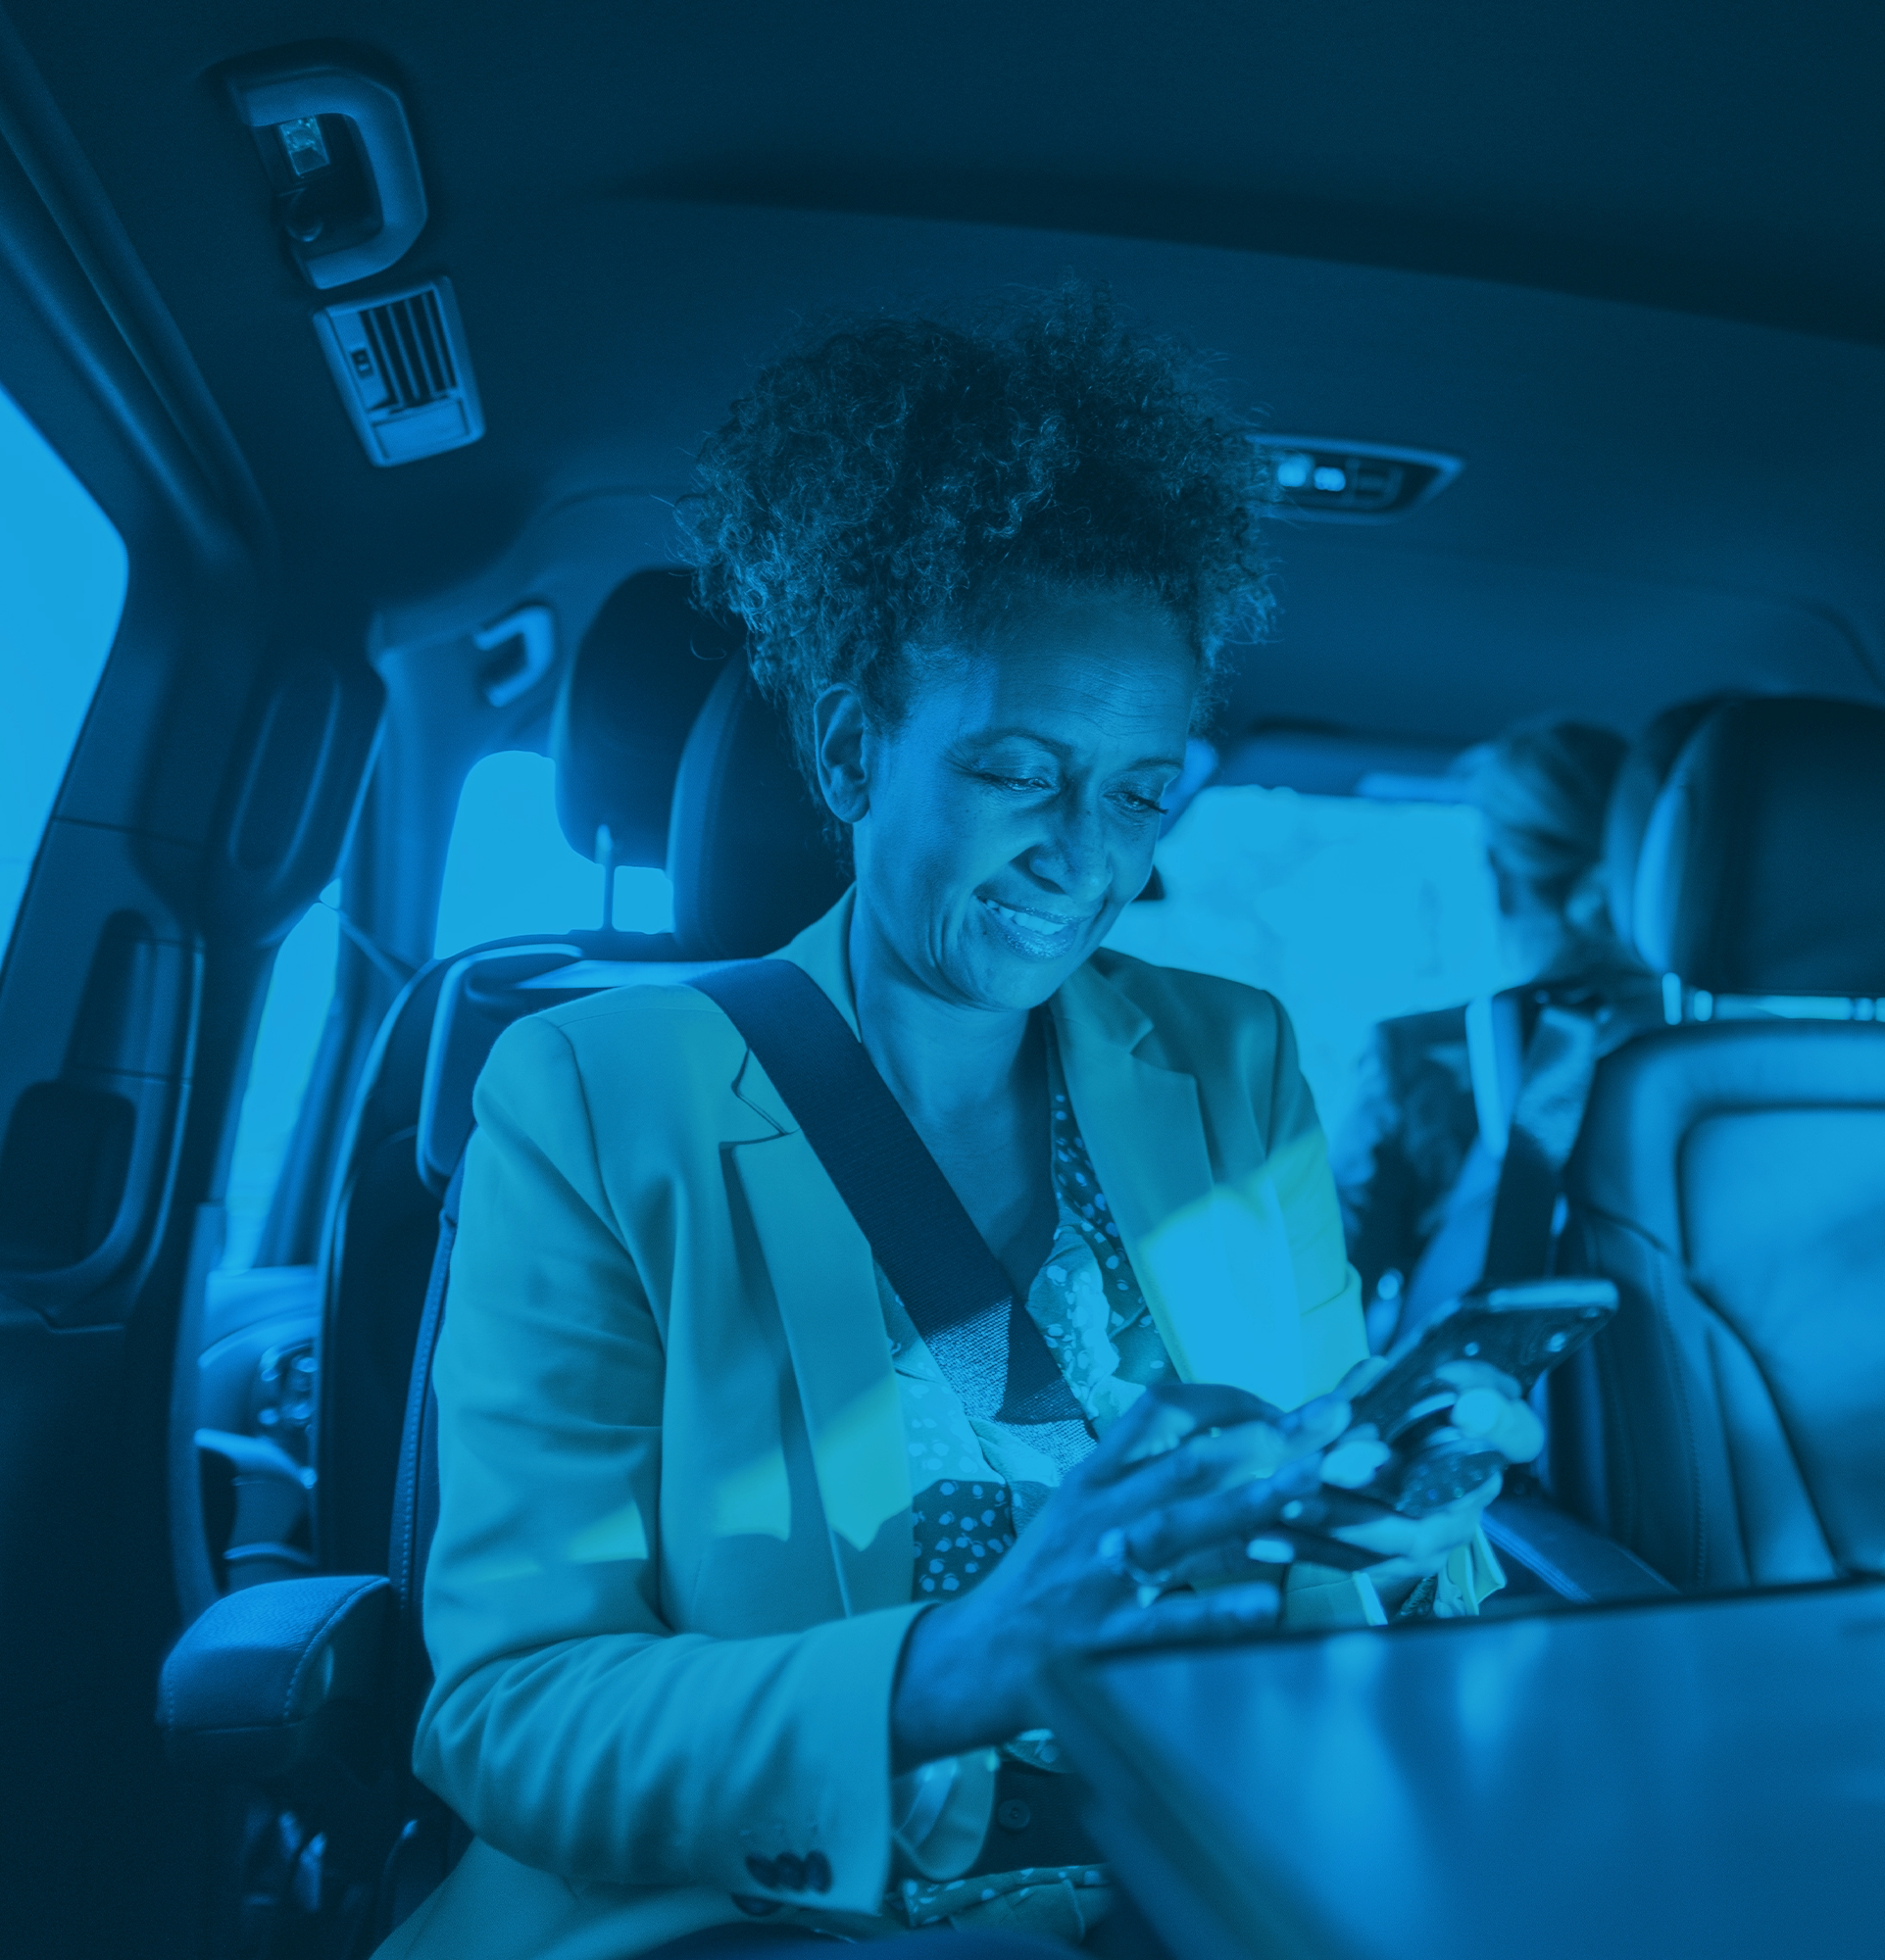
x=1003, y=826
x=1531, y=934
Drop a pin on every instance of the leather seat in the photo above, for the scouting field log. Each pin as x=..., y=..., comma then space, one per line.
x=625, y=710
x=1729, y=1427
x=1639, y=782
x=752, y=859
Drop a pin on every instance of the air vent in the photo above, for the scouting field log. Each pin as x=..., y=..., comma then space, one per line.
x=400, y=363
x=1354, y=482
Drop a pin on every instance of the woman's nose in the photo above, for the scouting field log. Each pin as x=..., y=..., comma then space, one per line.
x=1073, y=860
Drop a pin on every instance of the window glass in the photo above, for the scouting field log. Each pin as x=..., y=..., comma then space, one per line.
x=300, y=990
x=62, y=588
x=510, y=869
x=1349, y=910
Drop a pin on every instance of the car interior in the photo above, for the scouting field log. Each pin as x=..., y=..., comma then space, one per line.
x=366, y=351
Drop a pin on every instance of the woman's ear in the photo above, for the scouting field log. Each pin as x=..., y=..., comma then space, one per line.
x=1588, y=907
x=838, y=734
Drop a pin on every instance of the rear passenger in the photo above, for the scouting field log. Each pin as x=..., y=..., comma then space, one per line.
x=1418, y=1163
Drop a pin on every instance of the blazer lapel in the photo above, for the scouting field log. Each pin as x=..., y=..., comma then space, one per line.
x=1211, y=1255
x=824, y=1281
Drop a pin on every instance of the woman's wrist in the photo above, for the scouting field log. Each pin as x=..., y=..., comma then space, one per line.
x=954, y=1691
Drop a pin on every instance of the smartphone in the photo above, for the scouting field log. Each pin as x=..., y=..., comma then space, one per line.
x=1522, y=1330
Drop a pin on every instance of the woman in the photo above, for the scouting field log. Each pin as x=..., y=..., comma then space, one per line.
x=1417, y=1180
x=689, y=1672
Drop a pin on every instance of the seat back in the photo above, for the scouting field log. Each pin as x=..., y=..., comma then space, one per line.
x=481, y=992
x=378, y=1251
x=752, y=866
x=1729, y=1427
x=624, y=707
x=750, y=853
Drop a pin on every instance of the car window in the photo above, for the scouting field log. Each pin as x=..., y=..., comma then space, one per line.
x=1348, y=908
x=510, y=870
x=63, y=569
x=300, y=990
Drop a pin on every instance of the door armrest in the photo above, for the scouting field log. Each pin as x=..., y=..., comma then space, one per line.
x=275, y=1675
x=1575, y=1562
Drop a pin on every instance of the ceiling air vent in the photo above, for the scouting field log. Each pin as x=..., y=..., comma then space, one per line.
x=1354, y=482
x=400, y=363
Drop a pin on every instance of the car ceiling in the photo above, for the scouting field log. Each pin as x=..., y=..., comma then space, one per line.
x=1624, y=261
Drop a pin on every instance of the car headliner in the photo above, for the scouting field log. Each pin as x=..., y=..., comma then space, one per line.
x=1623, y=261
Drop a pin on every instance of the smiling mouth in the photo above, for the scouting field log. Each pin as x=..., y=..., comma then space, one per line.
x=1038, y=935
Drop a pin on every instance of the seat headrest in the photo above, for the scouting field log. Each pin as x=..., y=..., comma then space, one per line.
x=747, y=851
x=1763, y=868
x=624, y=709
x=1639, y=782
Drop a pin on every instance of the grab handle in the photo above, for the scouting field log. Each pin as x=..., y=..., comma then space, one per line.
x=293, y=100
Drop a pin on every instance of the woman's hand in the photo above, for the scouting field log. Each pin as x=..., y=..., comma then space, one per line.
x=1492, y=1414
x=1183, y=1483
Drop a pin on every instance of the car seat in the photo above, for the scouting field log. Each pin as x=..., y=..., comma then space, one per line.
x=333, y=1667
x=1728, y=1177
x=623, y=711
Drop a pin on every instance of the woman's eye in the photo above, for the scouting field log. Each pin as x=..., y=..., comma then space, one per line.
x=1031, y=783
x=1142, y=806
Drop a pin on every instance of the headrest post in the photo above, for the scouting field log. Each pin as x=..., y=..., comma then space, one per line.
x=606, y=857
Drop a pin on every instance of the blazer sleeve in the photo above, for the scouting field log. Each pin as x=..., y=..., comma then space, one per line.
x=569, y=1725
x=1328, y=1293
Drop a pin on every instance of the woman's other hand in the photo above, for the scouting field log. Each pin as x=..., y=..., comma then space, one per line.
x=1492, y=1414
x=1186, y=1481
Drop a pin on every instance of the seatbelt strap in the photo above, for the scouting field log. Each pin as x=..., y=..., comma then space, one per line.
x=1560, y=1060
x=951, y=1285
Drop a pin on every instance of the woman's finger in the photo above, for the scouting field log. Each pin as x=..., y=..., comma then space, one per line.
x=1428, y=1538
x=1508, y=1426
x=1164, y=1417
x=1231, y=1613
x=1365, y=1374
x=1294, y=1503
x=1238, y=1560
x=1227, y=1458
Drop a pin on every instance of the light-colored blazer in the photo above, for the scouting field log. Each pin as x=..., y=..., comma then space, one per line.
x=673, y=1571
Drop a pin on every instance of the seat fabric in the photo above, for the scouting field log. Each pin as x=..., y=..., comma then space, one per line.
x=631, y=692
x=748, y=851
x=1729, y=1426
x=378, y=1251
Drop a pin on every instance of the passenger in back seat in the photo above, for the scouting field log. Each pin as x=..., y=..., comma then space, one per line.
x=741, y=1587
x=1415, y=1173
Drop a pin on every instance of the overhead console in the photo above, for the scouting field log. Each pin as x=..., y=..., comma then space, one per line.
x=1352, y=482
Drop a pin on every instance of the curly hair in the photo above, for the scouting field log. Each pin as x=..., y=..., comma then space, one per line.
x=905, y=480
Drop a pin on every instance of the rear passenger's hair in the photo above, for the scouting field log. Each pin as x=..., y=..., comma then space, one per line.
x=896, y=485
x=1543, y=789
